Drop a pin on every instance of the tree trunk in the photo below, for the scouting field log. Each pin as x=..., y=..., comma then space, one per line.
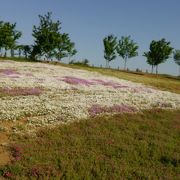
x=5, y=54
x=152, y=69
x=107, y=64
x=69, y=59
x=125, y=63
x=156, y=69
x=12, y=52
x=19, y=53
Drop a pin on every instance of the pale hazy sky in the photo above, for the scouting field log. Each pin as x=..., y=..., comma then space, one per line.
x=89, y=21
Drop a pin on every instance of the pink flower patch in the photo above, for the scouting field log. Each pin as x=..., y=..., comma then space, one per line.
x=21, y=91
x=9, y=72
x=16, y=152
x=76, y=81
x=96, y=109
x=109, y=83
x=8, y=174
x=29, y=74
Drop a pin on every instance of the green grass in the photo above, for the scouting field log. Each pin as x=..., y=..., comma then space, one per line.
x=126, y=146
x=162, y=82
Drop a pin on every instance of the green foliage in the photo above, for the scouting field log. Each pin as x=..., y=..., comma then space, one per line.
x=49, y=42
x=8, y=37
x=46, y=34
x=64, y=47
x=177, y=57
x=124, y=146
x=26, y=50
x=159, y=52
x=35, y=52
x=127, y=48
x=110, y=43
x=84, y=62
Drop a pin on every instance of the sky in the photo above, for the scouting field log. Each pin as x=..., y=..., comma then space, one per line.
x=88, y=21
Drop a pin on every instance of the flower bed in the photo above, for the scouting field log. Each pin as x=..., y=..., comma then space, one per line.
x=49, y=94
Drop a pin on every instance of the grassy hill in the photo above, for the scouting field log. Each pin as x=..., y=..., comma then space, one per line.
x=141, y=145
x=160, y=81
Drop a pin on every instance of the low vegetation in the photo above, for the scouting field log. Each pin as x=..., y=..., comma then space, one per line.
x=80, y=122
x=163, y=82
x=124, y=146
x=113, y=140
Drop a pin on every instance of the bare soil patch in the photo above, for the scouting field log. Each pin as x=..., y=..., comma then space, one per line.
x=4, y=155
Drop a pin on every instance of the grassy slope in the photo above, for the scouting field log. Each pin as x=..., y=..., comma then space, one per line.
x=163, y=82
x=142, y=146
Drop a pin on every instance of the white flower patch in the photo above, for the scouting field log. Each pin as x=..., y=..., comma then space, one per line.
x=67, y=94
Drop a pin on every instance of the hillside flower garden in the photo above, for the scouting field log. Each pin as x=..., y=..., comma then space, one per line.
x=47, y=94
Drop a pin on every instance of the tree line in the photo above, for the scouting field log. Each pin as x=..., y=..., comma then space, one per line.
x=126, y=48
x=50, y=43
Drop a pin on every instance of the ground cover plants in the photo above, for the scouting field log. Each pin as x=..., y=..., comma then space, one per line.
x=48, y=94
x=163, y=82
x=70, y=123
x=124, y=146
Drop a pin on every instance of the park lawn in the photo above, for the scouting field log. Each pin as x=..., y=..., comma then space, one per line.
x=124, y=146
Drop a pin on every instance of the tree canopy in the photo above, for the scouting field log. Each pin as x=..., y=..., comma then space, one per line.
x=110, y=43
x=159, y=52
x=8, y=36
x=49, y=41
x=127, y=48
x=177, y=58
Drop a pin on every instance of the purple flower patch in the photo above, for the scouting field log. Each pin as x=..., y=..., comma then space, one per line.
x=115, y=85
x=20, y=91
x=8, y=175
x=9, y=72
x=79, y=81
x=29, y=74
x=76, y=81
x=16, y=152
x=109, y=83
x=96, y=109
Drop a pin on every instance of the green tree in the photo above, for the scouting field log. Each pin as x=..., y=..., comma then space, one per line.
x=46, y=35
x=35, y=52
x=15, y=36
x=150, y=61
x=26, y=50
x=19, y=48
x=49, y=42
x=71, y=50
x=110, y=43
x=6, y=34
x=1, y=37
x=127, y=48
x=8, y=37
x=64, y=47
x=176, y=56
x=159, y=52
